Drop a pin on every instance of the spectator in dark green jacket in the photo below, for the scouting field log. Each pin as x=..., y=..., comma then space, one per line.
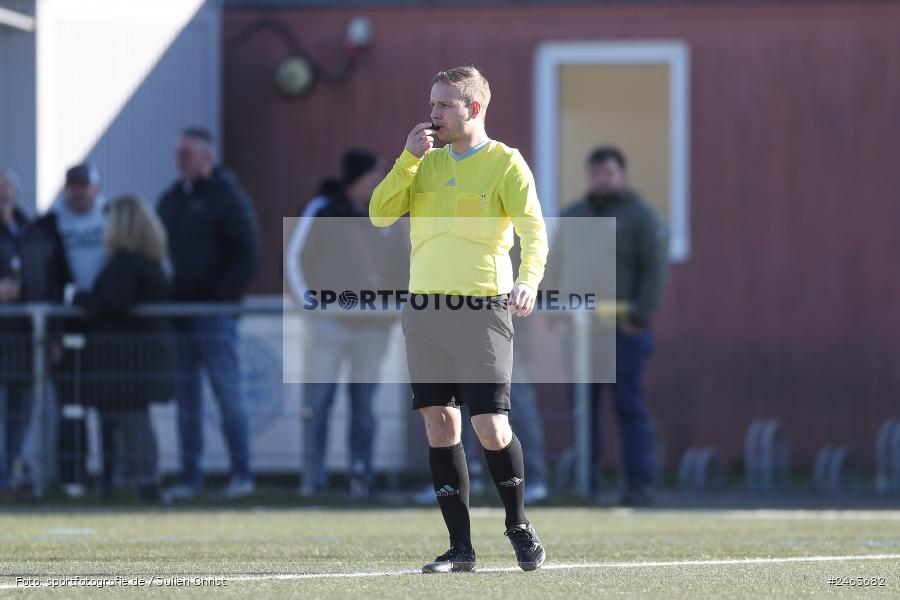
x=641, y=264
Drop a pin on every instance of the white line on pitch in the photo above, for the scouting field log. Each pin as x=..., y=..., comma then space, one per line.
x=557, y=567
x=607, y=565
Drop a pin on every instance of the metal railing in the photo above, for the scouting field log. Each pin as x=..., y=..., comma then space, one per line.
x=41, y=317
x=767, y=447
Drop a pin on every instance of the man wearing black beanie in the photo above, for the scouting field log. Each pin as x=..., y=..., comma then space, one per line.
x=328, y=251
x=356, y=164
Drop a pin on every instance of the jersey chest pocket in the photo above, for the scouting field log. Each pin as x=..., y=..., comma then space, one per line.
x=474, y=217
x=422, y=214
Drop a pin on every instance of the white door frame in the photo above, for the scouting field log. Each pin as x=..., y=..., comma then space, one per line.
x=550, y=56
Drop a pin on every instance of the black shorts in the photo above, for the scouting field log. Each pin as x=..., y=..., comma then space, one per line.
x=459, y=350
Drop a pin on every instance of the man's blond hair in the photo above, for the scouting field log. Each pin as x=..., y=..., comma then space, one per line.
x=469, y=82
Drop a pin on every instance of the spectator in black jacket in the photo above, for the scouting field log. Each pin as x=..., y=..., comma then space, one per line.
x=130, y=358
x=28, y=260
x=215, y=250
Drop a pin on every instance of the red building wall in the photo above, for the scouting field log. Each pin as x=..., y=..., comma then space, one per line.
x=788, y=304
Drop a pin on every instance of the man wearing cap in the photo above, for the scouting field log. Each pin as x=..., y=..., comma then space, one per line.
x=78, y=217
x=328, y=251
x=215, y=251
x=76, y=222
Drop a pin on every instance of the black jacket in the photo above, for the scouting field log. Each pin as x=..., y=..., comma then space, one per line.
x=213, y=238
x=32, y=256
x=129, y=360
x=348, y=253
x=42, y=268
x=60, y=271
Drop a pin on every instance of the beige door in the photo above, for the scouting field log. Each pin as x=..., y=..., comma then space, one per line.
x=629, y=94
x=621, y=105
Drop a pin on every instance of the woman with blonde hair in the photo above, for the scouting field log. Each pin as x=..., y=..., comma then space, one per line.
x=129, y=360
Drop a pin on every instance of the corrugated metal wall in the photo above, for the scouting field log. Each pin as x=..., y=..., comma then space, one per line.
x=117, y=82
x=17, y=103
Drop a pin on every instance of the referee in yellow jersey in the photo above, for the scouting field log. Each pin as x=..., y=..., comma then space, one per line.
x=465, y=200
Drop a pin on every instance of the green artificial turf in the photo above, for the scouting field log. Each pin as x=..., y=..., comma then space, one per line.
x=260, y=553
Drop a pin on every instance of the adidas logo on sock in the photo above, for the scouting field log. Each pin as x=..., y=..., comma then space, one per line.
x=511, y=482
x=451, y=182
x=447, y=490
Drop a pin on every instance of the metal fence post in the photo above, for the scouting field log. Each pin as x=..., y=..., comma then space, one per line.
x=581, y=319
x=308, y=486
x=41, y=412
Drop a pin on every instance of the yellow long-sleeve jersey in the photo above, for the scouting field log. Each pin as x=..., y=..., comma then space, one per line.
x=463, y=212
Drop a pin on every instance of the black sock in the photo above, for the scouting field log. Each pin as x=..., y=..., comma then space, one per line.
x=507, y=468
x=451, y=486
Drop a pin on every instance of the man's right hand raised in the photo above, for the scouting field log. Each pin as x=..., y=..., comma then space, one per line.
x=420, y=140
